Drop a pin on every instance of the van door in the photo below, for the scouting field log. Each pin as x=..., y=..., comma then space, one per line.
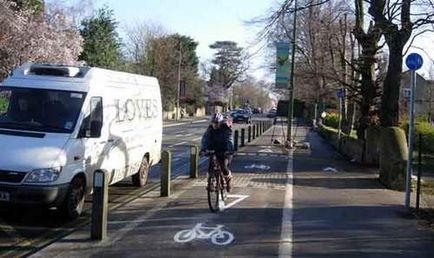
x=94, y=137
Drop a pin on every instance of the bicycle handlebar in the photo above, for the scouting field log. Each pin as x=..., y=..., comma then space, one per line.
x=212, y=152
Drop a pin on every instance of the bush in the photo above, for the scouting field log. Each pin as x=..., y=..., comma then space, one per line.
x=331, y=120
x=3, y=105
x=426, y=130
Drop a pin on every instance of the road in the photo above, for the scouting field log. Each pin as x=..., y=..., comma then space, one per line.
x=26, y=230
x=299, y=203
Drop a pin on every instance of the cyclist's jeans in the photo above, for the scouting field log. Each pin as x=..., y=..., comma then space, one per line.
x=224, y=161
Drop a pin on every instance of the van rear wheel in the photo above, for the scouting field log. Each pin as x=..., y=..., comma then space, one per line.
x=139, y=179
x=74, y=202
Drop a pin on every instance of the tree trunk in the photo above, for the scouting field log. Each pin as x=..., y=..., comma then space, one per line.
x=348, y=121
x=391, y=87
x=369, y=88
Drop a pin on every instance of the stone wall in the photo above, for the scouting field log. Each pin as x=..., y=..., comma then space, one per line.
x=385, y=147
x=353, y=148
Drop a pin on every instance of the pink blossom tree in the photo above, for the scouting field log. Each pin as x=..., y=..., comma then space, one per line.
x=29, y=37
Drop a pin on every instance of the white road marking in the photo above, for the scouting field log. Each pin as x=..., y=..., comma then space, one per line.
x=330, y=169
x=239, y=197
x=285, y=246
x=176, y=144
x=199, y=121
x=261, y=167
x=172, y=125
x=217, y=235
x=196, y=139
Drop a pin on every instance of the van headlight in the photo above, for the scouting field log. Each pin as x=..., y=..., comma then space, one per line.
x=44, y=175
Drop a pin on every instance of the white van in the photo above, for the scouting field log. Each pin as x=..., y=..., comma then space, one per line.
x=58, y=124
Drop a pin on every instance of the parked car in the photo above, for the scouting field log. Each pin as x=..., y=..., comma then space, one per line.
x=241, y=116
x=257, y=110
x=272, y=113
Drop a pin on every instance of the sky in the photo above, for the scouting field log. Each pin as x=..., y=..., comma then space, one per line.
x=206, y=21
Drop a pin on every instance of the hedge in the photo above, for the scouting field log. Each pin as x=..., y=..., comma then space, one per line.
x=427, y=131
x=3, y=105
x=331, y=120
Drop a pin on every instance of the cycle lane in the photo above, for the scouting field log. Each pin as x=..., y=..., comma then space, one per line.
x=147, y=226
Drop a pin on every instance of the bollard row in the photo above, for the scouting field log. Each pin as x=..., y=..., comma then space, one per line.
x=253, y=132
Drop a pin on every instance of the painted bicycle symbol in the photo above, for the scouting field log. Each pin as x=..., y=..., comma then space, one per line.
x=261, y=167
x=217, y=235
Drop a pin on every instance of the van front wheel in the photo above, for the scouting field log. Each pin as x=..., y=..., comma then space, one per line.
x=140, y=178
x=74, y=202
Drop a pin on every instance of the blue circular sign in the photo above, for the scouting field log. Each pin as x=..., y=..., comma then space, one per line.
x=340, y=93
x=414, y=61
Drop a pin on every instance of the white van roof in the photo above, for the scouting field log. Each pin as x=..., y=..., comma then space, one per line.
x=74, y=78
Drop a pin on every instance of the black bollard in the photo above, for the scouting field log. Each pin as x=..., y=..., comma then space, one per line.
x=236, y=140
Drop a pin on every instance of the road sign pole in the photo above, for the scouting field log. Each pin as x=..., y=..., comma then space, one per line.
x=414, y=62
x=410, y=141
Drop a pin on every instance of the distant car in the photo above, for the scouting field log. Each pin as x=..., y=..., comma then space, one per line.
x=272, y=113
x=242, y=116
x=257, y=110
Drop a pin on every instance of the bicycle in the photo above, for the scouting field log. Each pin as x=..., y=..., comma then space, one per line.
x=216, y=187
x=217, y=235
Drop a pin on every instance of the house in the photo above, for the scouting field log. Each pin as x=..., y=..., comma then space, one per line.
x=424, y=98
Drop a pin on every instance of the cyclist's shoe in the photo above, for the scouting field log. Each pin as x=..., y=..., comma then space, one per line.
x=228, y=180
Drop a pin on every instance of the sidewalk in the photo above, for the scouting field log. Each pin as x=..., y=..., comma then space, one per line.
x=348, y=213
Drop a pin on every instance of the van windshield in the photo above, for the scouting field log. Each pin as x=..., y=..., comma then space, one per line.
x=39, y=109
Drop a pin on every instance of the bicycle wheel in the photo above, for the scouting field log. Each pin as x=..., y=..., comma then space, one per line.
x=222, y=238
x=213, y=194
x=185, y=236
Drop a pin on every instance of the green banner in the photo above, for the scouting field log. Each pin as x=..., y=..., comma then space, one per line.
x=282, y=65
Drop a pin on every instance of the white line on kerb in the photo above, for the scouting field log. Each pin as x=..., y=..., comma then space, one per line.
x=285, y=246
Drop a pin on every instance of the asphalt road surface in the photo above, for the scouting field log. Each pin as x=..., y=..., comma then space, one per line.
x=26, y=230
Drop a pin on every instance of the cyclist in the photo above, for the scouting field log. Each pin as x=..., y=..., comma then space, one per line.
x=218, y=137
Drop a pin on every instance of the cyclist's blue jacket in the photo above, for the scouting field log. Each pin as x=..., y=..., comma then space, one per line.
x=219, y=140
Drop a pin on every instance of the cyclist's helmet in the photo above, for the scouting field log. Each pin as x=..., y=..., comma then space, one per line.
x=216, y=118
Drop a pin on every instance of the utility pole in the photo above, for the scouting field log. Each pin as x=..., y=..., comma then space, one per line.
x=291, y=82
x=179, y=82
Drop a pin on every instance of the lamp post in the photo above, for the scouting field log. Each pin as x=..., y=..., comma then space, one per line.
x=179, y=82
x=291, y=81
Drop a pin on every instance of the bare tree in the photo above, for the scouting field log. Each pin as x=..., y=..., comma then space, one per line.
x=139, y=43
x=400, y=22
x=228, y=66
